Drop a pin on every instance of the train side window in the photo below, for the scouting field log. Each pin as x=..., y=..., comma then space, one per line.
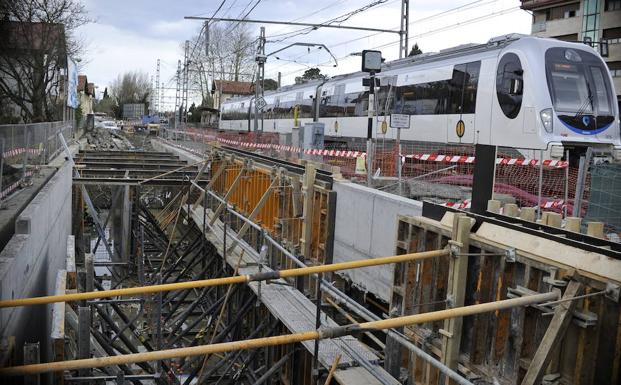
x=510, y=85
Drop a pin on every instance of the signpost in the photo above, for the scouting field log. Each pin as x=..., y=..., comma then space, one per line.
x=371, y=63
x=261, y=103
x=399, y=121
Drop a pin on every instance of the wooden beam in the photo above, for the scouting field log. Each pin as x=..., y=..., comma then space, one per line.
x=58, y=325
x=563, y=314
x=458, y=270
x=308, y=189
x=32, y=355
x=71, y=271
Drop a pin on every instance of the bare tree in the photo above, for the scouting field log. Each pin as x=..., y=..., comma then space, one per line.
x=229, y=56
x=37, y=37
x=131, y=87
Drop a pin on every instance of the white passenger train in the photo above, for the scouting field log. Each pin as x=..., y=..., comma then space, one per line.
x=515, y=91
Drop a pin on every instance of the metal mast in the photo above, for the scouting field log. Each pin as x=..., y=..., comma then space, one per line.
x=405, y=29
x=184, y=97
x=178, y=94
x=152, y=103
x=157, y=88
x=258, y=87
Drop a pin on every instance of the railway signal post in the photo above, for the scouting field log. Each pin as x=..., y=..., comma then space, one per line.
x=371, y=63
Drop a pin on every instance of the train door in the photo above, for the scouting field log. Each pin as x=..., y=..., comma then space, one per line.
x=461, y=104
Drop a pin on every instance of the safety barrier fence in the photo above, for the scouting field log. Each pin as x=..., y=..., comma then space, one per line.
x=441, y=173
x=24, y=147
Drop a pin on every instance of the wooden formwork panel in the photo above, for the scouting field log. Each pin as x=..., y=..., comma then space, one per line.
x=281, y=212
x=500, y=346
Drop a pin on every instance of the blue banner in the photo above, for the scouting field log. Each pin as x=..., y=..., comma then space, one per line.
x=72, y=84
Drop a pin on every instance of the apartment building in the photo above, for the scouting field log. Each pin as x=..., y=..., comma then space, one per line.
x=585, y=20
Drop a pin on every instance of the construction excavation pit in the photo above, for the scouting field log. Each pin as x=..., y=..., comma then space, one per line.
x=229, y=267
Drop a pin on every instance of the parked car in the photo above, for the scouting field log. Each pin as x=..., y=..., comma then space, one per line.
x=110, y=125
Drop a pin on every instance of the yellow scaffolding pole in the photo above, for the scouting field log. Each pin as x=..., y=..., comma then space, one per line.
x=223, y=347
x=269, y=275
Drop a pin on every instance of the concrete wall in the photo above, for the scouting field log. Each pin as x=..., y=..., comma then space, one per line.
x=366, y=227
x=30, y=261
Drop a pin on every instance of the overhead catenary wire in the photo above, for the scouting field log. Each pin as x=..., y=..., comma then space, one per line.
x=334, y=332
x=468, y=6
x=442, y=29
x=269, y=275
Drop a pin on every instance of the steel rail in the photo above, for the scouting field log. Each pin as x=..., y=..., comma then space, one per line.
x=334, y=332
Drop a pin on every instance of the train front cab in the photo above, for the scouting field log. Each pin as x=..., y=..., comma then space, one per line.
x=556, y=97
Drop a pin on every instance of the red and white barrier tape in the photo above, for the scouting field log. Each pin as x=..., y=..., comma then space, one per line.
x=553, y=204
x=441, y=158
x=465, y=159
x=7, y=191
x=18, y=151
x=466, y=204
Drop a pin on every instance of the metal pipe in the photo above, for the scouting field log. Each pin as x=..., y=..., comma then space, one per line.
x=334, y=332
x=274, y=368
x=270, y=275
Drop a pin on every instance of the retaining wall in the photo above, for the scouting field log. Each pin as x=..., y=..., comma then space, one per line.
x=31, y=259
x=366, y=227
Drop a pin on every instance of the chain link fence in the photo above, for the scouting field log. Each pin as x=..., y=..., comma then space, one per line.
x=444, y=173
x=603, y=192
x=24, y=147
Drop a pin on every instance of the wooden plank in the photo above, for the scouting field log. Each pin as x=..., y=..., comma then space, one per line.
x=32, y=355
x=58, y=325
x=72, y=278
x=588, y=342
x=458, y=268
x=563, y=314
x=616, y=359
x=554, y=253
x=308, y=188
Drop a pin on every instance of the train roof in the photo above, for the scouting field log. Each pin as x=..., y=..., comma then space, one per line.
x=493, y=44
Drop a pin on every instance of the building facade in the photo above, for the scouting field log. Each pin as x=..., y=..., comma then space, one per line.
x=86, y=95
x=584, y=20
x=223, y=90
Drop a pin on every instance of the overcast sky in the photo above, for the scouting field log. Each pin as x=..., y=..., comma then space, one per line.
x=132, y=34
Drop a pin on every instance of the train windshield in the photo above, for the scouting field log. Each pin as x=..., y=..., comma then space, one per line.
x=577, y=82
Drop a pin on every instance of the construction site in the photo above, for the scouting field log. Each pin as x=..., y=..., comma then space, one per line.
x=443, y=217
x=159, y=263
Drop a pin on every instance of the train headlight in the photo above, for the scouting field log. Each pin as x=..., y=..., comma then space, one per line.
x=546, y=119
